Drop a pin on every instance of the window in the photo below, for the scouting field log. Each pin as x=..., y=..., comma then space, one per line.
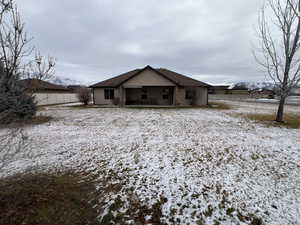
x=109, y=93
x=189, y=94
x=144, y=94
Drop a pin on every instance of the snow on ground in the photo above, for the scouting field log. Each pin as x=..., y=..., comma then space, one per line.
x=207, y=165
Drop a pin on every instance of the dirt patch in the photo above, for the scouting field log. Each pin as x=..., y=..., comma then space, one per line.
x=47, y=199
x=69, y=199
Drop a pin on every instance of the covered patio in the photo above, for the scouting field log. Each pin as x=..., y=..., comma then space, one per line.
x=149, y=95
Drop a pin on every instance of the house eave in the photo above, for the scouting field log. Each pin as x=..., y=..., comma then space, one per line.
x=103, y=86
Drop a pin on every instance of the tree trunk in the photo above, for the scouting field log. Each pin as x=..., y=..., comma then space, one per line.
x=279, y=117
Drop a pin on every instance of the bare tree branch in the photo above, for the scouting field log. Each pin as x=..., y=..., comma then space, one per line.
x=40, y=68
x=279, y=44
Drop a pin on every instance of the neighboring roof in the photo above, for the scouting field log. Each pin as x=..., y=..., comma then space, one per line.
x=35, y=84
x=174, y=77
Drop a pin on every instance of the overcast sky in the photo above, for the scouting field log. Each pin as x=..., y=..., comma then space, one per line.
x=97, y=39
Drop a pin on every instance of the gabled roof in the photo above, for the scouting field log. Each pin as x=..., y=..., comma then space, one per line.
x=174, y=77
x=36, y=84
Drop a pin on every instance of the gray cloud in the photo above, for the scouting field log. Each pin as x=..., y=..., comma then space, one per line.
x=94, y=40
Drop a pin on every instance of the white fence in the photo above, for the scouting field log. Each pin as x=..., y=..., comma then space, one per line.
x=55, y=98
x=294, y=100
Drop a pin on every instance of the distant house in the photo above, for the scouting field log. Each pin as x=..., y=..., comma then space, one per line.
x=47, y=93
x=262, y=93
x=150, y=86
x=218, y=89
x=238, y=90
x=36, y=85
x=75, y=88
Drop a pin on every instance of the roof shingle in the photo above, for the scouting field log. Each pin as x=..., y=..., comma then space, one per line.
x=176, y=78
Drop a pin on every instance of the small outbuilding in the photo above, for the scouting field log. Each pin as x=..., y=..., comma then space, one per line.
x=150, y=86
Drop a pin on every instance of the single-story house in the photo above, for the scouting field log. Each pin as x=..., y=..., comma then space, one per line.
x=218, y=89
x=150, y=86
x=47, y=93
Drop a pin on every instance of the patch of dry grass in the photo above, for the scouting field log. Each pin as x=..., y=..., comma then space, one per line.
x=47, y=199
x=211, y=105
x=70, y=199
x=36, y=120
x=42, y=107
x=290, y=120
x=82, y=106
x=219, y=105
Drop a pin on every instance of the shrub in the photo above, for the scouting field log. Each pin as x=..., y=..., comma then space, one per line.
x=84, y=95
x=15, y=103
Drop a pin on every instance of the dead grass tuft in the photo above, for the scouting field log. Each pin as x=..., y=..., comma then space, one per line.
x=136, y=212
x=290, y=120
x=47, y=199
x=37, y=120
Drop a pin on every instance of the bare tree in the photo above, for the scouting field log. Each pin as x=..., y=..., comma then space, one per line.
x=16, y=49
x=15, y=64
x=84, y=95
x=279, y=41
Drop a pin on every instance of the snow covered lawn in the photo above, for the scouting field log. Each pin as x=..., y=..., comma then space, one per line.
x=199, y=166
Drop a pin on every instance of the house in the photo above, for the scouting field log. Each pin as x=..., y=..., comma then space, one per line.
x=218, y=89
x=262, y=93
x=47, y=93
x=238, y=91
x=150, y=86
x=36, y=85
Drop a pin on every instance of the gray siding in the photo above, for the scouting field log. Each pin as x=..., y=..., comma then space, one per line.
x=99, y=98
x=201, y=96
x=148, y=78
